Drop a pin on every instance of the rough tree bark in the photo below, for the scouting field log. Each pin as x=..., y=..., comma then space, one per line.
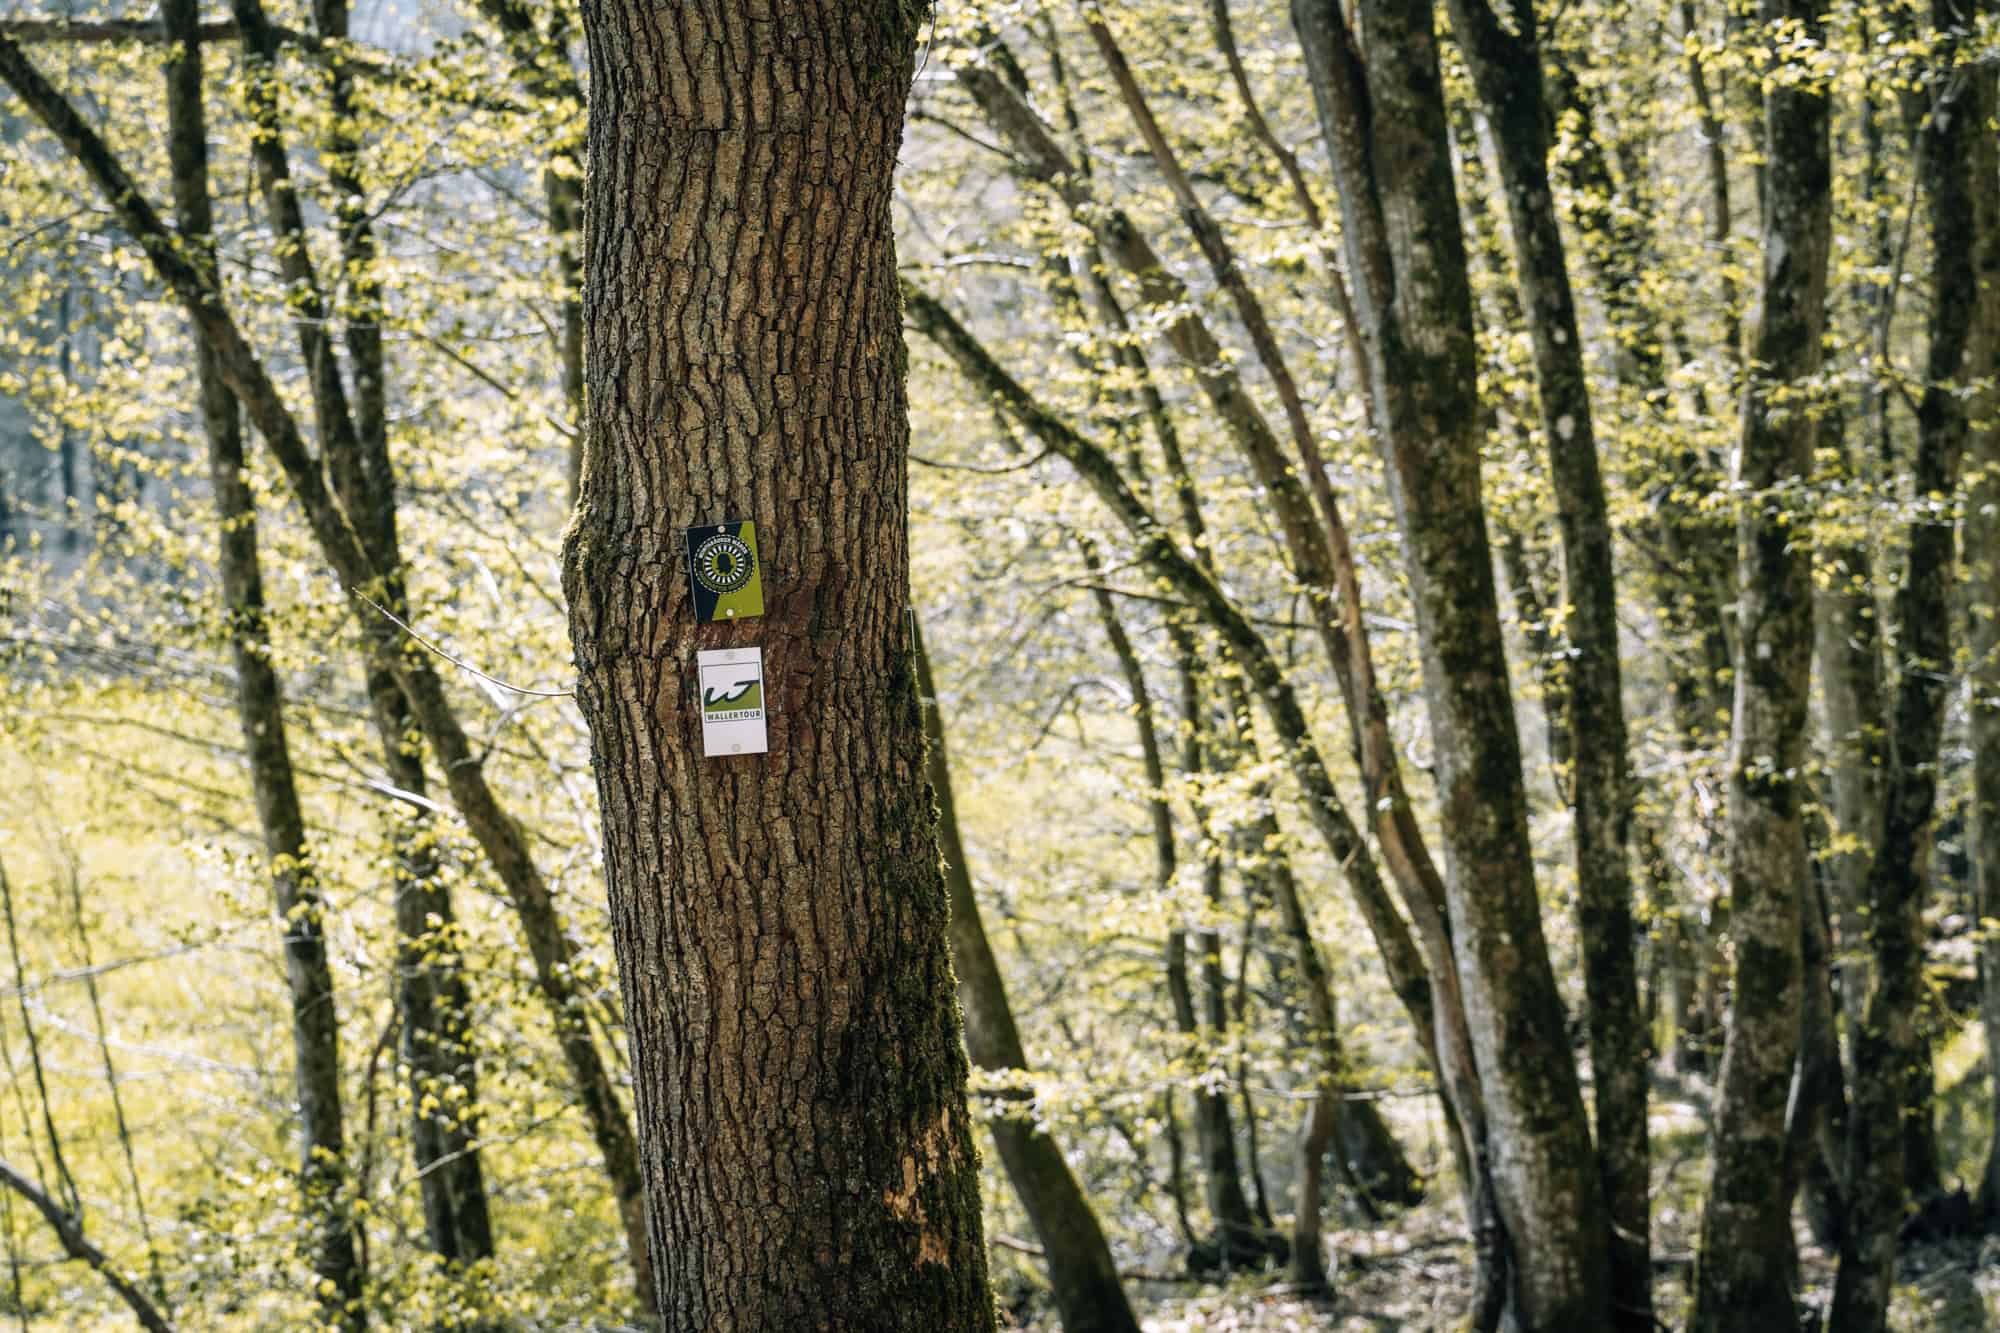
x=1089, y=1296
x=780, y=920
x=1889, y=1045
x=1743, y=1272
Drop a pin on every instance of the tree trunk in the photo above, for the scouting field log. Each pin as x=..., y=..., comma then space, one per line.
x=1743, y=1277
x=1847, y=653
x=1817, y=1116
x=542, y=64
x=1506, y=68
x=780, y=919
x=432, y=993
x=1890, y=1044
x=1982, y=560
x=1383, y=114
x=1089, y=1296
x=330, y=1244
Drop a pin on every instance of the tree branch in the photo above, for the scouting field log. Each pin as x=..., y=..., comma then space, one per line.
x=69, y=1231
x=152, y=32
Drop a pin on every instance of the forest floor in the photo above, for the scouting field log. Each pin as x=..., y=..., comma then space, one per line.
x=1422, y=1285
x=1414, y=1272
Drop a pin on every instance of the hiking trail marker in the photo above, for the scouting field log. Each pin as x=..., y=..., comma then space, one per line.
x=724, y=573
x=730, y=683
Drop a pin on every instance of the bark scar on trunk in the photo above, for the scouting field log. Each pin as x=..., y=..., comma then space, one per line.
x=929, y=1157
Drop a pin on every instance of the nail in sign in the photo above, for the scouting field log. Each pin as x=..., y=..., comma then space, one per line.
x=731, y=684
x=724, y=571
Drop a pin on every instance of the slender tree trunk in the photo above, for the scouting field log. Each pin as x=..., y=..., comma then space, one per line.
x=780, y=919
x=1715, y=162
x=1743, y=1274
x=433, y=995
x=1506, y=68
x=1267, y=682
x=1383, y=113
x=1692, y=569
x=1847, y=653
x=1982, y=560
x=1890, y=1045
x=330, y=1244
x=1238, y=1237
x=1089, y=1297
x=76, y=519
x=542, y=65
x=1923, y=1167
x=1847, y=649
x=1816, y=1128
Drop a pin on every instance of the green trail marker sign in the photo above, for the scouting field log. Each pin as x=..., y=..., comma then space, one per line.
x=730, y=686
x=724, y=571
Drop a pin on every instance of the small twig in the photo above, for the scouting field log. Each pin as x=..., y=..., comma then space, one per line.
x=1033, y=1251
x=967, y=135
x=462, y=665
x=1062, y=704
x=68, y=1181
x=982, y=471
x=97, y=970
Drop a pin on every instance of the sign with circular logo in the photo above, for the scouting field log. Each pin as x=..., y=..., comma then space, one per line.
x=722, y=567
x=723, y=563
